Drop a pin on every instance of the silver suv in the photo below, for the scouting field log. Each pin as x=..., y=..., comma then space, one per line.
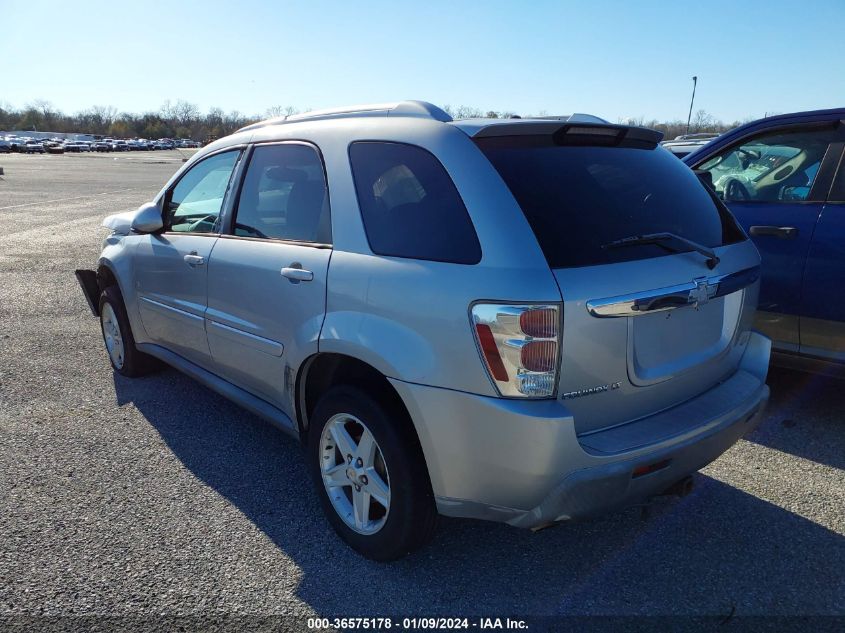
x=525, y=320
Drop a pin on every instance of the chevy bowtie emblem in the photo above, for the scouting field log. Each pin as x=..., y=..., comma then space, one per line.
x=701, y=293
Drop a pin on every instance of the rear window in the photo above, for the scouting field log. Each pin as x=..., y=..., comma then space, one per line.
x=410, y=205
x=581, y=198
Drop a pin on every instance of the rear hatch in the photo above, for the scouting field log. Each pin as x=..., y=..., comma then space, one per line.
x=648, y=322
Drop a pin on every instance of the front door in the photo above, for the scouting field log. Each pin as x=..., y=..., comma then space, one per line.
x=773, y=184
x=267, y=276
x=171, y=268
x=823, y=299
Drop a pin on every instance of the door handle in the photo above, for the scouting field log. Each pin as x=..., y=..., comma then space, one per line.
x=295, y=273
x=192, y=259
x=780, y=232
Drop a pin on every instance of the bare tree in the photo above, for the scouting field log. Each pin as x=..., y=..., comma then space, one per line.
x=278, y=110
x=702, y=121
x=185, y=112
x=466, y=112
x=107, y=114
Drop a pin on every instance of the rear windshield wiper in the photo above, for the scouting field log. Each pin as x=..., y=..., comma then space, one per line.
x=661, y=238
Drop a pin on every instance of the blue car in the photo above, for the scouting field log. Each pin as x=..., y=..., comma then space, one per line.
x=783, y=177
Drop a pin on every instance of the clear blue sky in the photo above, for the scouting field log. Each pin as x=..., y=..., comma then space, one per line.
x=613, y=59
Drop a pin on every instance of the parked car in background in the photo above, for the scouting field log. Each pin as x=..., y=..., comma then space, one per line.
x=77, y=146
x=527, y=321
x=783, y=177
x=685, y=144
x=32, y=147
x=54, y=148
x=16, y=143
x=5, y=146
x=101, y=146
x=120, y=146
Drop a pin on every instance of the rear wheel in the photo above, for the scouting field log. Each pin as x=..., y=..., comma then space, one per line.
x=370, y=475
x=117, y=335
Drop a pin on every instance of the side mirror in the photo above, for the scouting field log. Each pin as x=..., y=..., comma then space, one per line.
x=148, y=219
x=794, y=194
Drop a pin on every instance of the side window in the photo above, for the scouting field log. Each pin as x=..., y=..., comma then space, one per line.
x=774, y=167
x=284, y=195
x=193, y=205
x=409, y=204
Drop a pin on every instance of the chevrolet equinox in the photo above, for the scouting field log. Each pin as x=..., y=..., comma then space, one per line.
x=522, y=320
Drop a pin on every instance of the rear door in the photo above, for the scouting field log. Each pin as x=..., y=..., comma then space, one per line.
x=171, y=267
x=267, y=274
x=645, y=326
x=822, y=300
x=775, y=185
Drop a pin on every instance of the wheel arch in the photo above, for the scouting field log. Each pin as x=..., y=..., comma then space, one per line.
x=117, y=272
x=106, y=276
x=324, y=370
x=109, y=274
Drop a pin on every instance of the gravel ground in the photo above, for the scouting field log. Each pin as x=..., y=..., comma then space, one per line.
x=157, y=496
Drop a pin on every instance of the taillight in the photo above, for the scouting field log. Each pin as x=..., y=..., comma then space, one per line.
x=520, y=346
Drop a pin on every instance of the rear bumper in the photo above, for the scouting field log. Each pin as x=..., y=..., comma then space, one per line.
x=599, y=489
x=521, y=462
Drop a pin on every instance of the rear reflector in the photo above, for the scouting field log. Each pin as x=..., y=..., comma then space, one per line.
x=639, y=471
x=491, y=352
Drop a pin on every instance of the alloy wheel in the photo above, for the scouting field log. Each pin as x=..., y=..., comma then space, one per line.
x=111, y=333
x=354, y=473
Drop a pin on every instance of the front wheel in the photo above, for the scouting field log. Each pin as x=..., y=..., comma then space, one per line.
x=125, y=358
x=370, y=474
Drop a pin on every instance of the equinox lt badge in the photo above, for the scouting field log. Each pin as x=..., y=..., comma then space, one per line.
x=590, y=391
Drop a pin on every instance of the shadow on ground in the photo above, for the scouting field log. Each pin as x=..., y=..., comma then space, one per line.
x=715, y=551
x=810, y=420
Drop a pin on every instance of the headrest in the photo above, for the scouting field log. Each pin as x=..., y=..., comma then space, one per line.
x=286, y=174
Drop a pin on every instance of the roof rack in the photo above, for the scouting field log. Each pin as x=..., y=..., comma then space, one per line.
x=421, y=109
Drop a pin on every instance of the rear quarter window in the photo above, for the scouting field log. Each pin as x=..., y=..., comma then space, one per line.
x=578, y=199
x=409, y=204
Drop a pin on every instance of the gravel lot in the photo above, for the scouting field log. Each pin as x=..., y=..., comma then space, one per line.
x=157, y=496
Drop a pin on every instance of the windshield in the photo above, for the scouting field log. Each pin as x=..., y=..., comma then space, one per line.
x=579, y=198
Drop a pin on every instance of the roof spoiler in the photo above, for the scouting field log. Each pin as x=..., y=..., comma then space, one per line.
x=576, y=133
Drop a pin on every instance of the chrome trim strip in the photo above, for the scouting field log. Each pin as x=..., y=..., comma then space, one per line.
x=690, y=294
x=163, y=308
x=253, y=341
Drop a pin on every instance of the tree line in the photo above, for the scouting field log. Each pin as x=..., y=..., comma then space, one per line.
x=185, y=120
x=173, y=120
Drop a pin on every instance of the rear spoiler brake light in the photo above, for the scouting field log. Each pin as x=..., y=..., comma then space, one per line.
x=610, y=135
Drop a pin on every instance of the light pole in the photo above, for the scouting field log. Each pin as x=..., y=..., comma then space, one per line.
x=691, y=101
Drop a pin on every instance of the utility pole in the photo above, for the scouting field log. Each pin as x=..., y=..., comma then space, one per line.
x=689, y=117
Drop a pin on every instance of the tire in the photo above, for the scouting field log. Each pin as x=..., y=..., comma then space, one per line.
x=407, y=522
x=117, y=334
